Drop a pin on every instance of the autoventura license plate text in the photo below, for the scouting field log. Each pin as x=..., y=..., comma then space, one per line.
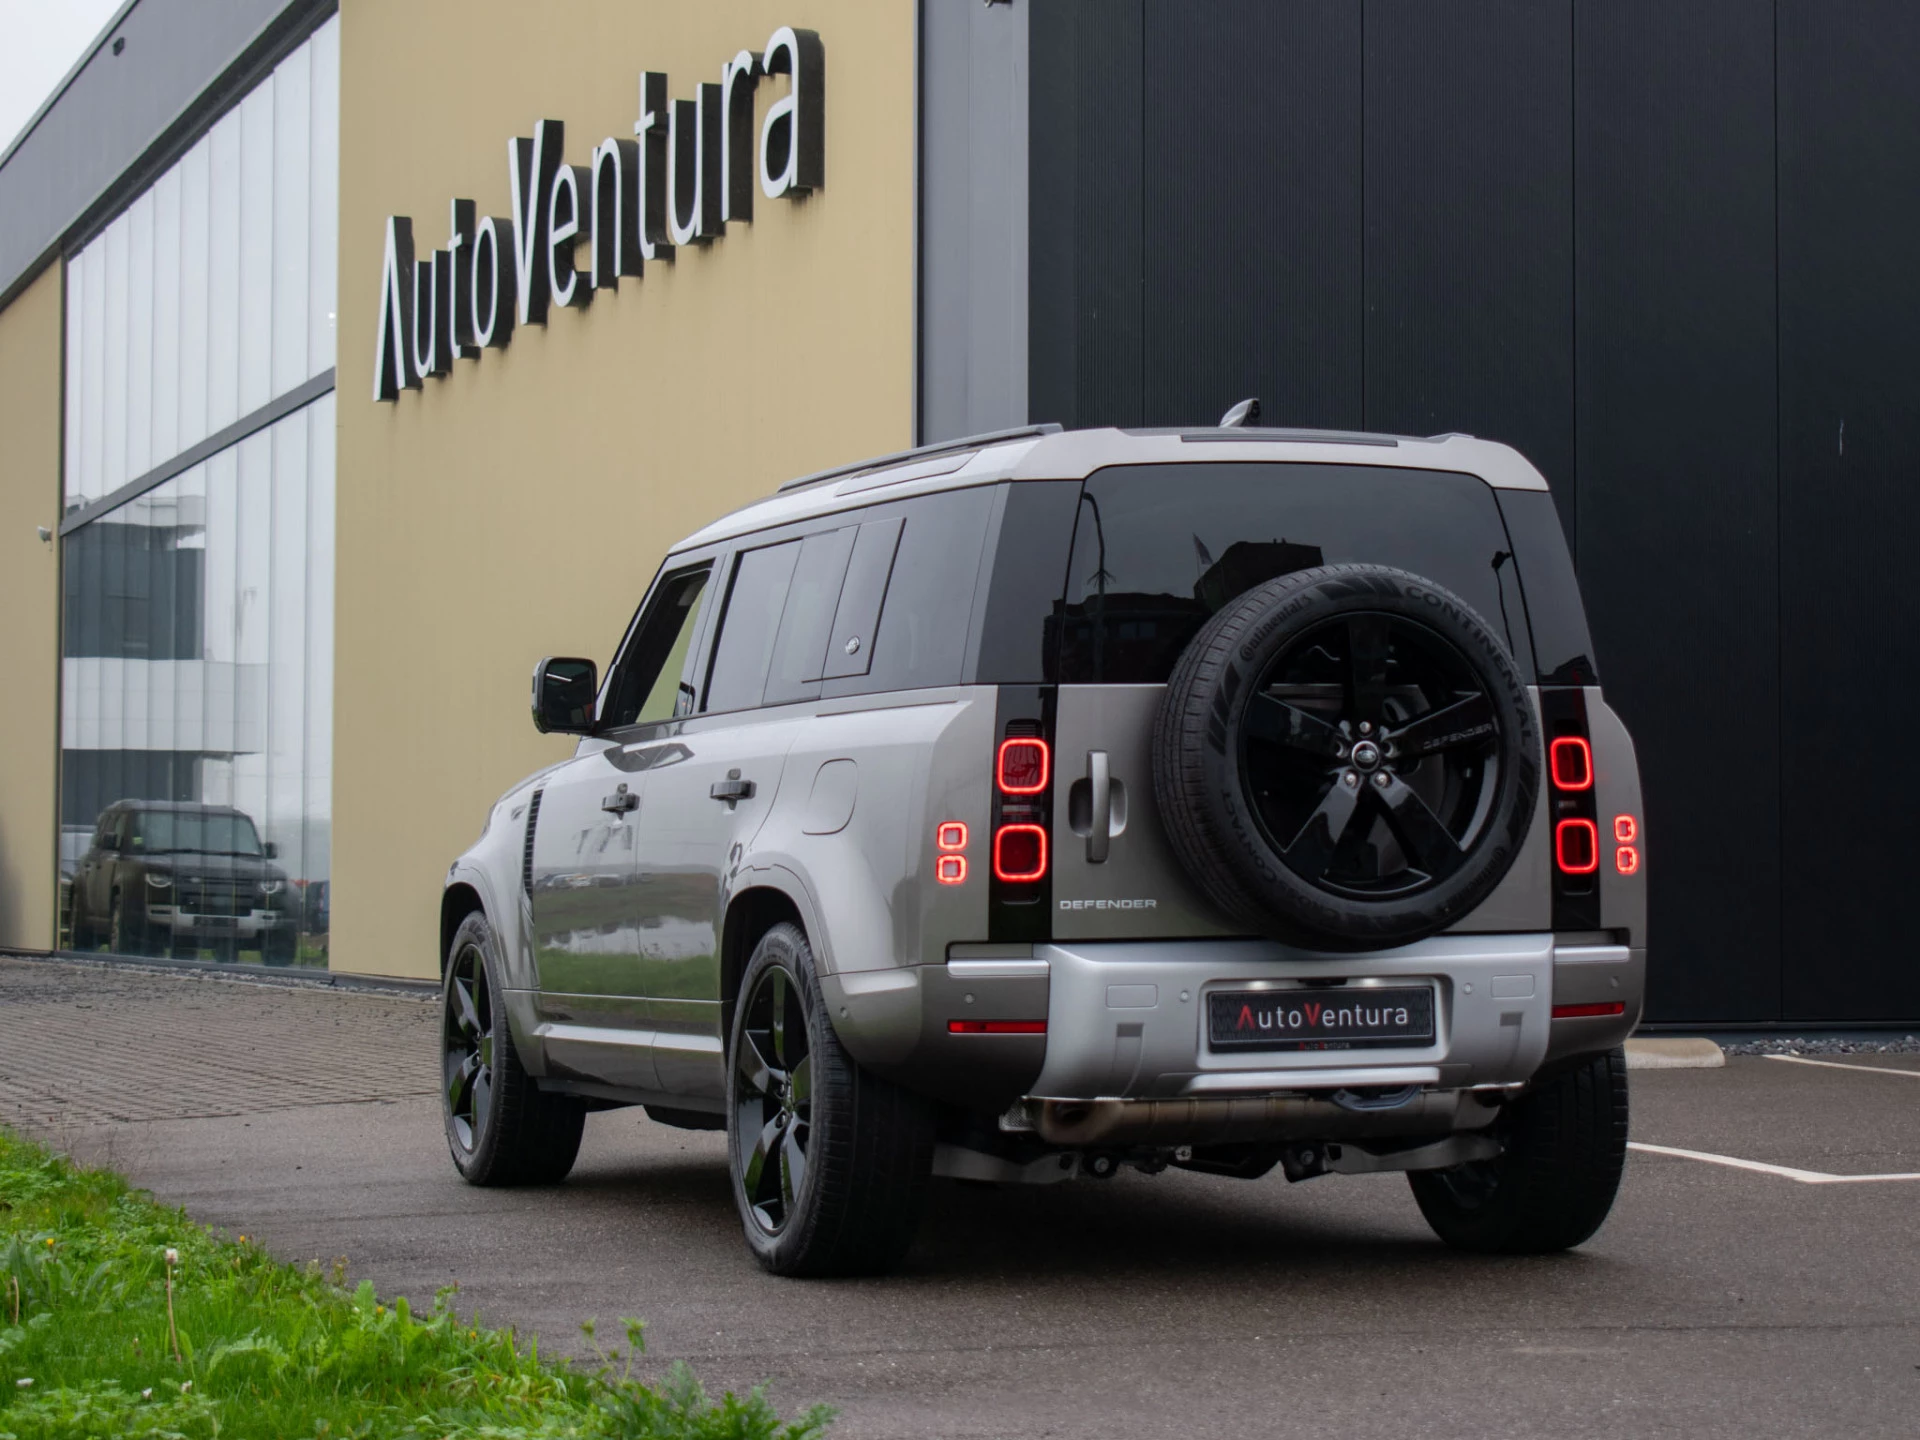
x=1270, y=1019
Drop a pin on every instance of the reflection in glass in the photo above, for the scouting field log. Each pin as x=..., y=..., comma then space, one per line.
x=196, y=709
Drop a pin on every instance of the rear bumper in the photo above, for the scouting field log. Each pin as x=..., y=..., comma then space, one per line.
x=1125, y=1020
x=1128, y=1020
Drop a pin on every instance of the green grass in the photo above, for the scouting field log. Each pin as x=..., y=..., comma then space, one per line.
x=268, y=1350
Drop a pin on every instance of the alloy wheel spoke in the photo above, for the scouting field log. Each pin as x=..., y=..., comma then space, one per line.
x=793, y=1167
x=1276, y=721
x=757, y=1077
x=800, y=1082
x=777, y=989
x=460, y=1083
x=1465, y=721
x=754, y=1175
x=482, y=1096
x=1367, y=641
x=1419, y=830
x=1312, y=850
x=466, y=1015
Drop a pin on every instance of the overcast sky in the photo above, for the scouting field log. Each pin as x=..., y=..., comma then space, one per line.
x=39, y=41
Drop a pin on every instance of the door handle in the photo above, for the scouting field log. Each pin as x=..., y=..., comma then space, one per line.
x=732, y=790
x=621, y=801
x=1100, y=782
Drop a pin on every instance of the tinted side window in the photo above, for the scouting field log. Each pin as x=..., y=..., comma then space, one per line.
x=749, y=625
x=1158, y=549
x=1562, y=649
x=927, y=611
x=799, y=653
x=646, y=683
x=1035, y=540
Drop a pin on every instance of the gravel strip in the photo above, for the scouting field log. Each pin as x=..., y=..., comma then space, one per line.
x=1830, y=1045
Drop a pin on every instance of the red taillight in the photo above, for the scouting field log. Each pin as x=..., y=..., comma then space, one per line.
x=951, y=870
x=1570, y=759
x=996, y=1027
x=1588, y=1012
x=1626, y=829
x=1019, y=853
x=952, y=835
x=1626, y=859
x=1576, y=847
x=1022, y=766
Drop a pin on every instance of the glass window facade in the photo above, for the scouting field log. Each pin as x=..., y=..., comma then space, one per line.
x=197, y=614
x=213, y=293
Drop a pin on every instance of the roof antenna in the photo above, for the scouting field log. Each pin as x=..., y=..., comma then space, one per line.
x=1247, y=412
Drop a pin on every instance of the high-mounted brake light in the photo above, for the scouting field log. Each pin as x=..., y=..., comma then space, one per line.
x=1570, y=759
x=1022, y=766
x=1020, y=853
x=1589, y=1012
x=1576, y=847
x=996, y=1027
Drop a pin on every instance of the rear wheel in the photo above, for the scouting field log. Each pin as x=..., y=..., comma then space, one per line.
x=830, y=1164
x=501, y=1129
x=1553, y=1184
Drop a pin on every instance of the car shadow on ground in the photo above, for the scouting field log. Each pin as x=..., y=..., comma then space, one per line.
x=1216, y=1234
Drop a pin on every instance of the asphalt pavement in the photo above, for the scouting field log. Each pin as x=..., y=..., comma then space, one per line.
x=1717, y=1301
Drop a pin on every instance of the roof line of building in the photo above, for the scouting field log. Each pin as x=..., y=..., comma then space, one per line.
x=122, y=114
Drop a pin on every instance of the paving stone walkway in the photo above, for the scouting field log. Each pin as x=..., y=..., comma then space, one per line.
x=89, y=1044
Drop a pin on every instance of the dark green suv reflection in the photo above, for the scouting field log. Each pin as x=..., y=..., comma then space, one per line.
x=177, y=877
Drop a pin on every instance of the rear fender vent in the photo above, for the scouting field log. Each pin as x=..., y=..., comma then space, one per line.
x=526, y=857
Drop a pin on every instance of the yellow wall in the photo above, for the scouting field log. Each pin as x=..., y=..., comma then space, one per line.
x=519, y=507
x=30, y=335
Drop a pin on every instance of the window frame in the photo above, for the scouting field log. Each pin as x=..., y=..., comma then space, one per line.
x=673, y=568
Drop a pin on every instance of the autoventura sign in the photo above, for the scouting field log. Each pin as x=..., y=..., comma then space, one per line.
x=692, y=166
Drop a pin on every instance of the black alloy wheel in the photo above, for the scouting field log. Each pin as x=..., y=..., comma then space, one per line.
x=502, y=1128
x=829, y=1163
x=1371, y=756
x=467, y=1043
x=773, y=1098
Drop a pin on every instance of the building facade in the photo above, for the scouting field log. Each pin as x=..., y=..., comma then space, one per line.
x=353, y=356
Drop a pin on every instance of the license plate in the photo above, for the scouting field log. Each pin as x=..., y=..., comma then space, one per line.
x=1337, y=1018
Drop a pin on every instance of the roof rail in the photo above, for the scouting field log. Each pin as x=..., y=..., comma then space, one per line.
x=923, y=452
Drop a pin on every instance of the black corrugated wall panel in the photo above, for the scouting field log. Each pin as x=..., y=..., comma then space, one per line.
x=1084, y=186
x=1251, y=211
x=1469, y=225
x=1849, y=96
x=1675, y=366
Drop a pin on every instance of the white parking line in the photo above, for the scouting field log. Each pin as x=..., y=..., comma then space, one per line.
x=1805, y=1177
x=1836, y=1065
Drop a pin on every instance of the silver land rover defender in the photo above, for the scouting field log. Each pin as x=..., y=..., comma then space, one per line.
x=1024, y=807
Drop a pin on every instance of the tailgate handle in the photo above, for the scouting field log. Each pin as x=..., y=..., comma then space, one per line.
x=1100, y=782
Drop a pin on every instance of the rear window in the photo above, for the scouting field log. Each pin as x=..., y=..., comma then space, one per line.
x=1158, y=549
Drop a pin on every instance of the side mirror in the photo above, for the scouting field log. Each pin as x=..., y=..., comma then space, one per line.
x=109, y=842
x=272, y=849
x=564, y=690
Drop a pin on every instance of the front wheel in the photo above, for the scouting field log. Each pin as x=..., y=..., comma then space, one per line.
x=1554, y=1182
x=830, y=1164
x=501, y=1128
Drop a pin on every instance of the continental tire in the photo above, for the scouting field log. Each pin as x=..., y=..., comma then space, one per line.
x=830, y=1163
x=501, y=1128
x=1553, y=1184
x=1346, y=758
